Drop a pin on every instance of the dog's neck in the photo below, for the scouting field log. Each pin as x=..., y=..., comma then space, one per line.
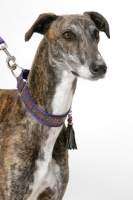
x=51, y=88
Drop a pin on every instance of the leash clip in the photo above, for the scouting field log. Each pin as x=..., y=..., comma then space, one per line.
x=12, y=66
x=3, y=44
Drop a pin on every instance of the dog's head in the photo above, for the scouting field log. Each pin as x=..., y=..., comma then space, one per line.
x=73, y=42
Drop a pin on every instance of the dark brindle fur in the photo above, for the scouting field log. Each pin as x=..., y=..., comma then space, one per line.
x=69, y=49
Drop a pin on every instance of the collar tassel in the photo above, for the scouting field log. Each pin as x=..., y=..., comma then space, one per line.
x=70, y=141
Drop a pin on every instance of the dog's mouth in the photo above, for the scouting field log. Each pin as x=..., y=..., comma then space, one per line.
x=74, y=73
x=95, y=78
x=92, y=77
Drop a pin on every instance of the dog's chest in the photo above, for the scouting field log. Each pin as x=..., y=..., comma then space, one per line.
x=47, y=172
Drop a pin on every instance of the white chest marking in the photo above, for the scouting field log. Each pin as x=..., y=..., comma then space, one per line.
x=48, y=171
x=63, y=96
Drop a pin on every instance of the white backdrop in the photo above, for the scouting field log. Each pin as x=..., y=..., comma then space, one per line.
x=102, y=167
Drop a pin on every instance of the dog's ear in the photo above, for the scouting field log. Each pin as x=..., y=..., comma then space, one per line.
x=41, y=25
x=100, y=22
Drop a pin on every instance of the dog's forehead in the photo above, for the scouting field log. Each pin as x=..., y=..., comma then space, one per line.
x=74, y=22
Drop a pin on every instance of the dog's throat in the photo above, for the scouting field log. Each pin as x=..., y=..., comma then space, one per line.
x=64, y=92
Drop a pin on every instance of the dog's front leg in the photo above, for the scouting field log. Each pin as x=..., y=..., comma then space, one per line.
x=17, y=165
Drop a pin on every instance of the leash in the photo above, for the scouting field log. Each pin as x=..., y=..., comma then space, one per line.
x=37, y=113
x=12, y=66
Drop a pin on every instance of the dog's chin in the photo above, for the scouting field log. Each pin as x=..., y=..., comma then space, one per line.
x=96, y=78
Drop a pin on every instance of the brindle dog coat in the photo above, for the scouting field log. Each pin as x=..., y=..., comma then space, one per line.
x=33, y=157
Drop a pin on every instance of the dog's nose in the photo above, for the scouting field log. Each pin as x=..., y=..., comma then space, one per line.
x=98, y=69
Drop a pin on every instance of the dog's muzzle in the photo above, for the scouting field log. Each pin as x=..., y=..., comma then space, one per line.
x=98, y=69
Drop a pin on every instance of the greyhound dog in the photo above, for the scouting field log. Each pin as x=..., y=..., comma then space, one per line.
x=33, y=157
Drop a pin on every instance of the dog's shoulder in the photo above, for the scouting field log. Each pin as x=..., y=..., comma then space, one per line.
x=6, y=100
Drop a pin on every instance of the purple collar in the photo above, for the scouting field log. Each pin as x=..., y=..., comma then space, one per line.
x=37, y=113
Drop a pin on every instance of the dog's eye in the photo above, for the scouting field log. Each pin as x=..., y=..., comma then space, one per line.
x=68, y=35
x=96, y=34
